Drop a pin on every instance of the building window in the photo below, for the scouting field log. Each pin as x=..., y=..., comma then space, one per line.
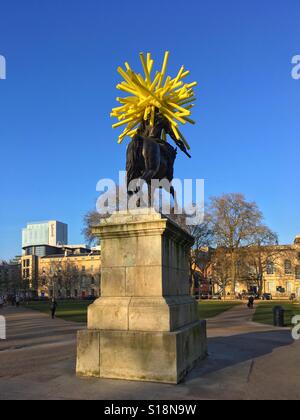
x=289, y=287
x=270, y=268
x=270, y=287
x=298, y=272
x=288, y=267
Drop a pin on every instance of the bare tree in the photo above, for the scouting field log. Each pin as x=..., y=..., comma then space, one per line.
x=90, y=220
x=235, y=223
x=115, y=200
x=221, y=270
x=11, y=278
x=63, y=275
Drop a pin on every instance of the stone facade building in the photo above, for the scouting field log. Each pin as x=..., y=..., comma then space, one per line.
x=64, y=272
x=280, y=272
x=282, y=276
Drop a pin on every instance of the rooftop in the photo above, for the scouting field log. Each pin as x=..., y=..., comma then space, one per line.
x=61, y=256
x=42, y=222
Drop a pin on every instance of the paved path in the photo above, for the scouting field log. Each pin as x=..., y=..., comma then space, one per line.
x=246, y=361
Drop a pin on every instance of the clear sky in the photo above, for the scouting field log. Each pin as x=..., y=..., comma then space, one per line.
x=55, y=131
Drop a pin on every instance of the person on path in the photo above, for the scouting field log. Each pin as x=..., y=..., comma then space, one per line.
x=53, y=308
x=251, y=302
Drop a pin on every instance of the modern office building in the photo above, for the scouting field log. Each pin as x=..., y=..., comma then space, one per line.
x=51, y=267
x=38, y=237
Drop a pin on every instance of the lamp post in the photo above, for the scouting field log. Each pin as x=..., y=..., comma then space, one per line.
x=54, y=284
x=261, y=287
x=26, y=288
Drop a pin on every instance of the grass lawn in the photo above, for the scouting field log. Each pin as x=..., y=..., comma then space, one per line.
x=75, y=311
x=264, y=312
x=210, y=309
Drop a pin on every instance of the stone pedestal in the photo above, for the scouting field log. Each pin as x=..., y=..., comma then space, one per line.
x=145, y=326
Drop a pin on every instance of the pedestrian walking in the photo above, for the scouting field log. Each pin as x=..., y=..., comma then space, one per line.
x=251, y=302
x=53, y=308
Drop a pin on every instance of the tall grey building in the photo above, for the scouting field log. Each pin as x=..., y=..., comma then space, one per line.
x=51, y=233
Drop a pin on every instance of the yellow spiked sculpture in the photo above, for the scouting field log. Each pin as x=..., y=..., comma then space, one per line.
x=172, y=97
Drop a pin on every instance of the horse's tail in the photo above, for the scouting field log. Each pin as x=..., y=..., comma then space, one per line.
x=134, y=160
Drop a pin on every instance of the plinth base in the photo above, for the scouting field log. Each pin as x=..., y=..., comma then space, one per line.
x=164, y=357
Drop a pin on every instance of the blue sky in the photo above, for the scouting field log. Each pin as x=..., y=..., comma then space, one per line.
x=55, y=130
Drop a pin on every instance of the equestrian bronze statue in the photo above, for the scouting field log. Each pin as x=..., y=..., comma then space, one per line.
x=152, y=112
x=149, y=157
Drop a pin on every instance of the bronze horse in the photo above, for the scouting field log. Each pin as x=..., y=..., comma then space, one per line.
x=149, y=157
